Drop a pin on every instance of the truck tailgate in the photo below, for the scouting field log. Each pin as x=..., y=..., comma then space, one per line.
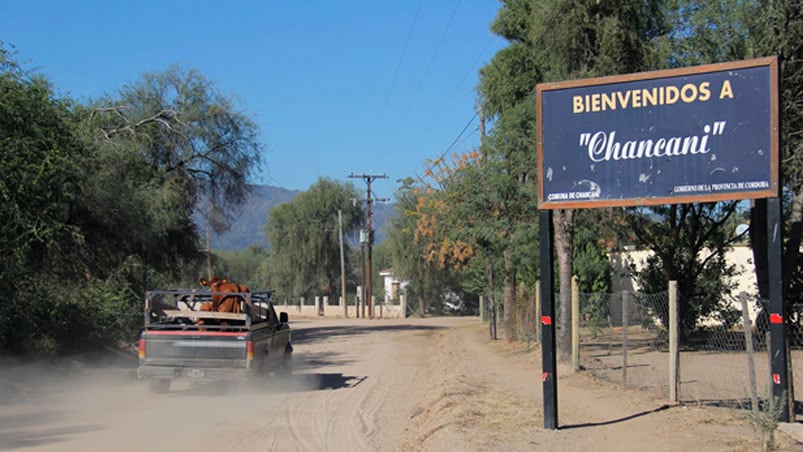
x=195, y=349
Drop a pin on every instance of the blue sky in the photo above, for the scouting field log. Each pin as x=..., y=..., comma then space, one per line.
x=336, y=86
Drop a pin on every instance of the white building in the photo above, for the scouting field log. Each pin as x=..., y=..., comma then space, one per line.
x=393, y=286
x=740, y=255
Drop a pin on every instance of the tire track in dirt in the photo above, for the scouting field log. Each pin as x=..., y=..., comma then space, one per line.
x=346, y=415
x=350, y=391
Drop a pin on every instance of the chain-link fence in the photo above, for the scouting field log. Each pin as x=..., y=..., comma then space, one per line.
x=624, y=339
x=720, y=364
x=729, y=364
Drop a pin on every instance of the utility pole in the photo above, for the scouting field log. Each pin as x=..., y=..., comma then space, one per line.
x=363, y=279
x=343, y=294
x=368, y=274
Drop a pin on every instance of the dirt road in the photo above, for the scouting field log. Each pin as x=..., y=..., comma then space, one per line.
x=417, y=384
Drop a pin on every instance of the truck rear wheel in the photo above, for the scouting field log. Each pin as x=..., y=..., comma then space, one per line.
x=286, y=367
x=159, y=385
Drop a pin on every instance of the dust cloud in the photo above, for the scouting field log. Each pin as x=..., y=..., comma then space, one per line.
x=96, y=402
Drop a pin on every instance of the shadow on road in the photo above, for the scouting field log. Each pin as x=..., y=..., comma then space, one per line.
x=270, y=385
x=318, y=381
x=16, y=436
x=303, y=333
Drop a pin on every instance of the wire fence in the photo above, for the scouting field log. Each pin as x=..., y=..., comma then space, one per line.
x=624, y=339
x=718, y=364
x=621, y=338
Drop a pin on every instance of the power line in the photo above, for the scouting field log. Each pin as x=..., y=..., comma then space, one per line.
x=457, y=88
x=466, y=137
x=458, y=136
x=426, y=73
x=395, y=74
x=456, y=140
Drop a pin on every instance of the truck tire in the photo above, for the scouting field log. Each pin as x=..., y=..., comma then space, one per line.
x=286, y=367
x=159, y=385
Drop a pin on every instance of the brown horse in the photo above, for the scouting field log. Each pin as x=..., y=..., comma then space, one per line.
x=221, y=302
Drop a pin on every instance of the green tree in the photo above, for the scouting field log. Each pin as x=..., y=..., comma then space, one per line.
x=702, y=32
x=559, y=40
x=782, y=37
x=159, y=148
x=98, y=200
x=407, y=254
x=303, y=234
x=491, y=208
x=40, y=159
x=592, y=265
x=420, y=252
x=690, y=243
x=248, y=266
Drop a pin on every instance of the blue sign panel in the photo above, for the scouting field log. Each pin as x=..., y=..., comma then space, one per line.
x=699, y=134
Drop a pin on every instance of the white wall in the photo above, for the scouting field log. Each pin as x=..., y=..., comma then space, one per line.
x=740, y=255
x=381, y=311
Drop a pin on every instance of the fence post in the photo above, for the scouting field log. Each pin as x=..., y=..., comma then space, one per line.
x=575, y=323
x=748, y=346
x=674, y=355
x=624, y=338
x=358, y=301
x=403, y=305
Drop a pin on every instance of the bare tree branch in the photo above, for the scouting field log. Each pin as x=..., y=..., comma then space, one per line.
x=168, y=118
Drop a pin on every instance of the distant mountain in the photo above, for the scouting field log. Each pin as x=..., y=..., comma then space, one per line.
x=248, y=225
x=380, y=214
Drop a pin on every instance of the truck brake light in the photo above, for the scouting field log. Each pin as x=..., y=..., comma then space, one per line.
x=141, y=348
x=249, y=350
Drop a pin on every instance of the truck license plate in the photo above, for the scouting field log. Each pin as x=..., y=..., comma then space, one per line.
x=196, y=373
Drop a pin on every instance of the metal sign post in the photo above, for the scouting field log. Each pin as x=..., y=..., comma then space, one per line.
x=778, y=364
x=549, y=369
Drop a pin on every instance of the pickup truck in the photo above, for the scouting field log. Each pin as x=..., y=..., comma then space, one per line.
x=182, y=339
